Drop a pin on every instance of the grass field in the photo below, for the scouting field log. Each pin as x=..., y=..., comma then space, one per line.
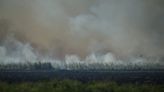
x=77, y=86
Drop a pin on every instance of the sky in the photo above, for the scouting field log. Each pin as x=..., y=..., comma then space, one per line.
x=57, y=28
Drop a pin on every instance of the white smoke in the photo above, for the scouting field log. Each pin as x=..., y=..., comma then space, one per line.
x=82, y=33
x=16, y=52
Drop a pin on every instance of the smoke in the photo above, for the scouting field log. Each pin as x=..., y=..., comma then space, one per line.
x=81, y=30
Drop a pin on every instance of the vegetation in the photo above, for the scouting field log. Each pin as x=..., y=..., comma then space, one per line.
x=83, y=66
x=29, y=66
x=77, y=86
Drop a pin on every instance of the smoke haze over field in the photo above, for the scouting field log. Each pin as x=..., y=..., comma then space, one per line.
x=59, y=28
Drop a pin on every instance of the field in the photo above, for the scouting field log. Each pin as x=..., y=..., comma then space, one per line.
x=77, y=86
x=120, y=76
x=81, y=81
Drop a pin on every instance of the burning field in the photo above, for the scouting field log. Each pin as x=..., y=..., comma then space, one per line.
x=84, y=40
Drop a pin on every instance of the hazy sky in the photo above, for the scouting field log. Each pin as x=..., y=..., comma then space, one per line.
x=123, y=27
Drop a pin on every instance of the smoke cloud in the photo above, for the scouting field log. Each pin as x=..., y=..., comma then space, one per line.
x=120, y=29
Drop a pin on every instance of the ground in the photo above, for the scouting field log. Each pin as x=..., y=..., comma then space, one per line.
x=77, y=86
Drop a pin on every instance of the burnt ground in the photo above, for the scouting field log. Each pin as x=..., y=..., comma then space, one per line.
x=120, y=76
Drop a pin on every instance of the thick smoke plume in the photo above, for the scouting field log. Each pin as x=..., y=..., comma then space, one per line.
x=82, y=31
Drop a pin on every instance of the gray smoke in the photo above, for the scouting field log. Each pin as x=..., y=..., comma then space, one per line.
x=75, y=30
